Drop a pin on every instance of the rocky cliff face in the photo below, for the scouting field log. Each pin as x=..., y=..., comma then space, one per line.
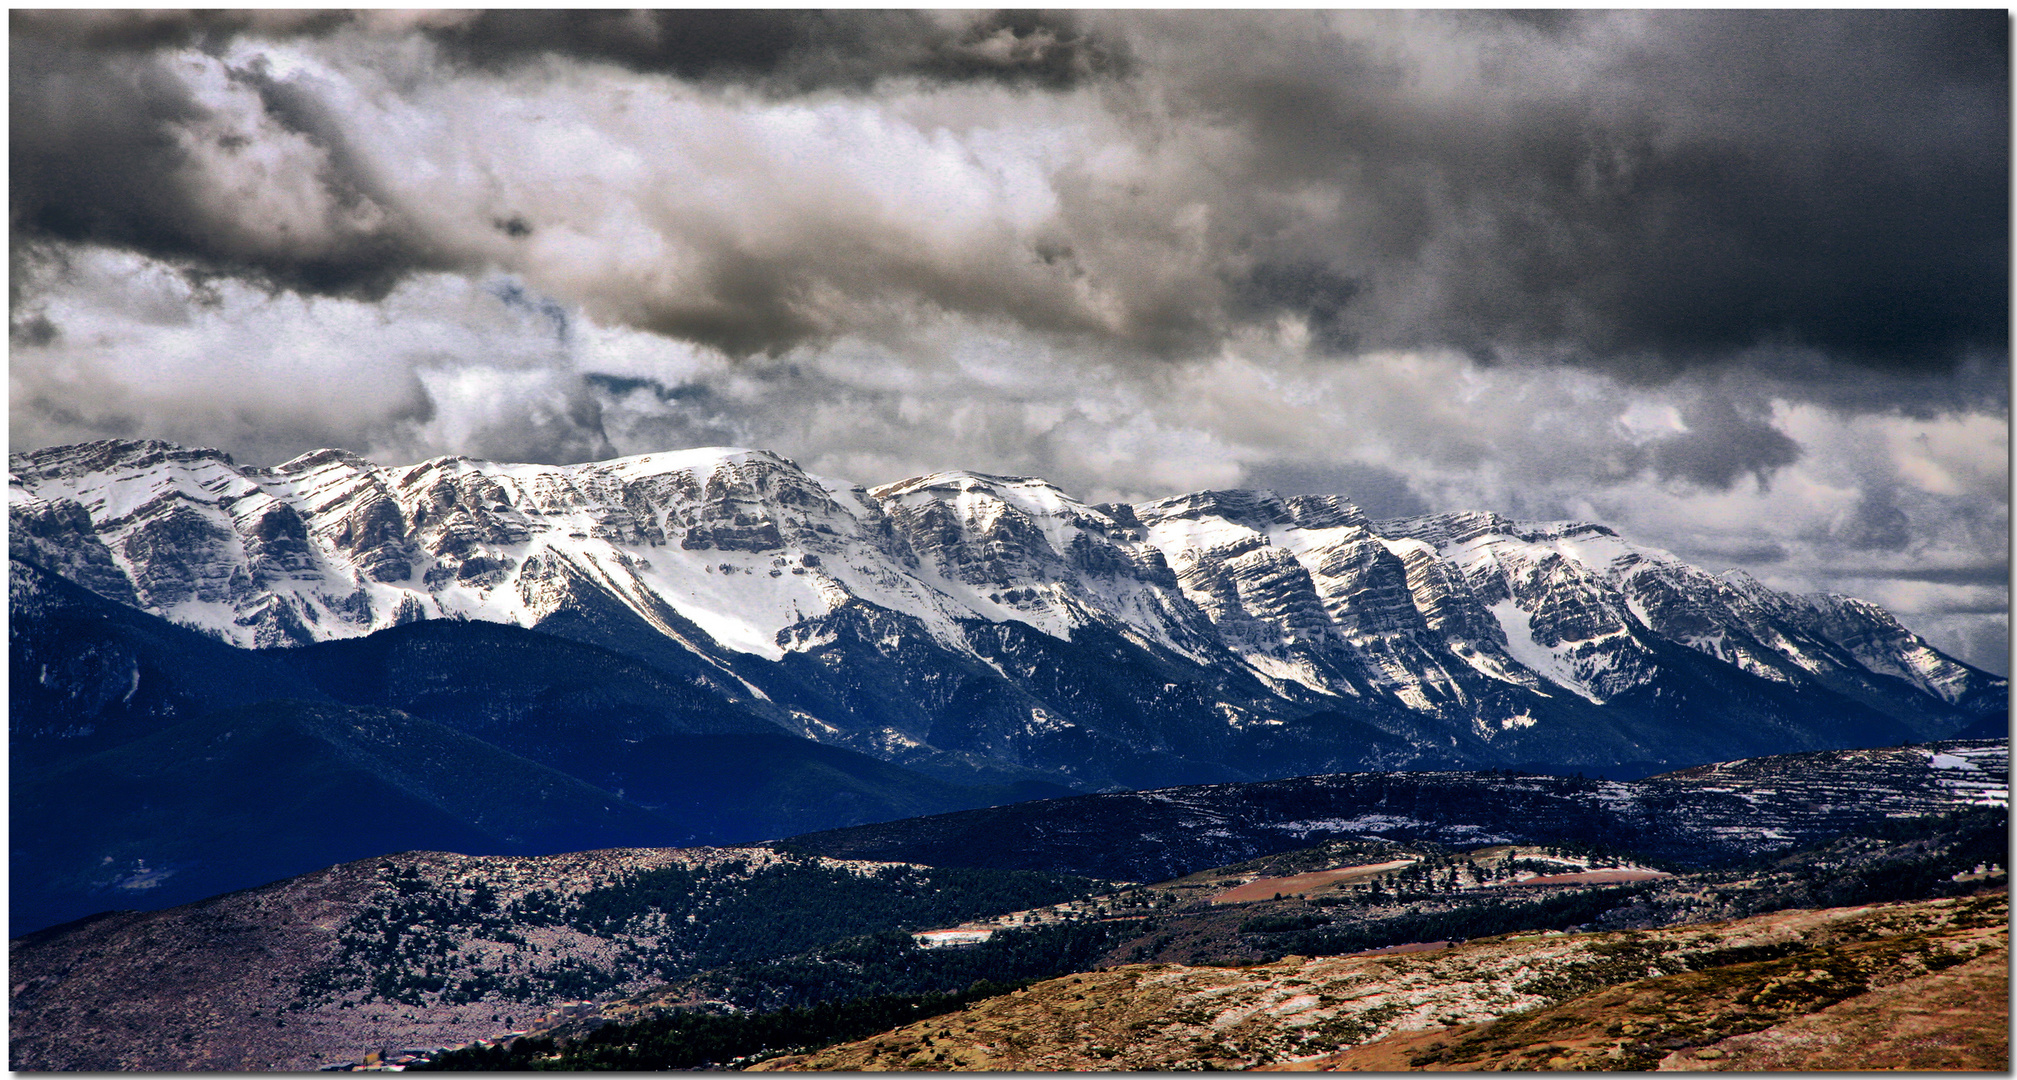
x=965, y=621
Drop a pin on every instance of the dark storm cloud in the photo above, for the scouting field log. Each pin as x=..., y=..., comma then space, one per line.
x=744, y=305
x=1743, y=554
x=1837, y=180
x=1722, y=445
x=1380, y=492
x=1877, y=525
x=783, y=50
x=1846, y=189
x=90, y=146
x=1976, y=380
x=112, y=148
x=1310, y=290
x=33, y=329
x=797, y=50
x=143, y=30
x=113, y=145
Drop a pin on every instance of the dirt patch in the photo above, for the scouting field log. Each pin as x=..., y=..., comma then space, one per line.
x=1410, y=947
x=1300, y=884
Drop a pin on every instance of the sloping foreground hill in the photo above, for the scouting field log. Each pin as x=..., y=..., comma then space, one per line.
x=1689, y=996
x=1830, y=1010
x=1698, y=815
x=431, y=949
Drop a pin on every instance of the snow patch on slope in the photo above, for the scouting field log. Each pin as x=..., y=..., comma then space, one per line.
x=1544, y=661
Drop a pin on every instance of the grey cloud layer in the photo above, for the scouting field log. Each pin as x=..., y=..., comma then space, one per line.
x=1654, y=189
x=1642, y=191
x=796, y=51
x=785, y=51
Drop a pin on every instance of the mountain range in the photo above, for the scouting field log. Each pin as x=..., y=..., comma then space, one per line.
x=222, y=674
x=993, y=628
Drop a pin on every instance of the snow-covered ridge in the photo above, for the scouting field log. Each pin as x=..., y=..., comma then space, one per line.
x=1470, y=616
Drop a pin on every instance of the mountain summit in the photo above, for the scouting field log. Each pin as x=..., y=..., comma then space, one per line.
x=992, y=627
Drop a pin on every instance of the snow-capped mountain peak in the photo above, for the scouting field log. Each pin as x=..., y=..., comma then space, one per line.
x=1470, y=631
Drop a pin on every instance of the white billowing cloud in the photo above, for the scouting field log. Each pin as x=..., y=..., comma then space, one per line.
x=149, y=352
x=253, y=183
x=441, y=365
x=1957, y=454
x=745, y=222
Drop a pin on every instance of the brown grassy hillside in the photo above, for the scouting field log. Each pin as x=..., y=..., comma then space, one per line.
x=1892, y=986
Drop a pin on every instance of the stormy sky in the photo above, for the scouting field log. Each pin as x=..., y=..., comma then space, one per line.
x=1736, y=283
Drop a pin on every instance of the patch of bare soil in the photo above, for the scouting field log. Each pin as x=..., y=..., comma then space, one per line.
x=1597, y=877
x=1410, y=947
x=1300, y=884
x=1506, y=996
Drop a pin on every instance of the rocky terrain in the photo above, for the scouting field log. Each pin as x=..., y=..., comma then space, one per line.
x=1351, y=896
x=1705, y=995
x=995, y=627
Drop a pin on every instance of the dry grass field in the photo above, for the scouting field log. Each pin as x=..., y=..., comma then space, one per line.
x=1910, y=986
